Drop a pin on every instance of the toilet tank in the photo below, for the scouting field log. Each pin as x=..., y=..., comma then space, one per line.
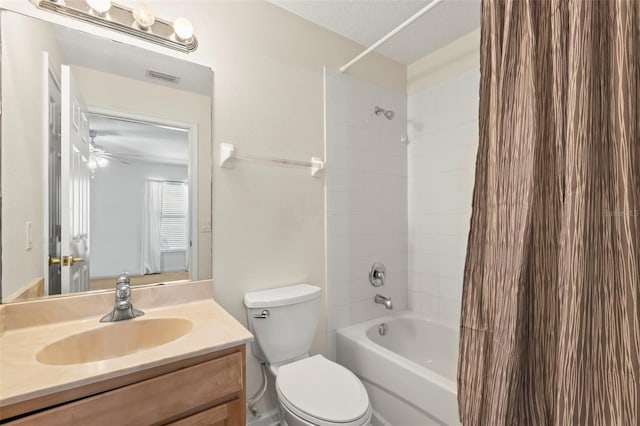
x=283, y=321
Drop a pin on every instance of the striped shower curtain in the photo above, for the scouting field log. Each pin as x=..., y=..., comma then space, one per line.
x=550, y=325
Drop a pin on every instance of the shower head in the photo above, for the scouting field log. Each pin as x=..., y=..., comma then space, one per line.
x=387, y=113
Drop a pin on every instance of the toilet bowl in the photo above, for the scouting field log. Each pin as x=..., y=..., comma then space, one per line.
x=312, y=390
x=316, y=391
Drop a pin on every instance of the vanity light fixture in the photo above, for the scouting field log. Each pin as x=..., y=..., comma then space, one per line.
x=139, y=22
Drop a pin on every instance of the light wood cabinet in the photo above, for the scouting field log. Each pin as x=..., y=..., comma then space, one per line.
x=223, y=415
x=205, y=390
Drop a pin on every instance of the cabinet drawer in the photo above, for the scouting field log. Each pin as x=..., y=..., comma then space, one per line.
x=151, y=401
x=228, y=414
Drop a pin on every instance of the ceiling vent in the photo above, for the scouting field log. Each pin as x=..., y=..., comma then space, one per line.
x=167, y=78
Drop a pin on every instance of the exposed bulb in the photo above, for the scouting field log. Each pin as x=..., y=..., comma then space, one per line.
x=99, y=6
x=102, y=162
x=92, y=163
x=183, y=29
x=144, y=16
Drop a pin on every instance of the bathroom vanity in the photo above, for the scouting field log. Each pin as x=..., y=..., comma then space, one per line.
x=112, y=157
x=58, y=367
x=202, y=390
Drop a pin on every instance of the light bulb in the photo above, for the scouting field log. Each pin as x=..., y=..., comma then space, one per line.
x=99, y=6
x=183, y=29
x=144, y=16
x=92, y=163
x=102, y=162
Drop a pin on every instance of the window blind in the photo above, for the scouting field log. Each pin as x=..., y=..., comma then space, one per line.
x=173, y=223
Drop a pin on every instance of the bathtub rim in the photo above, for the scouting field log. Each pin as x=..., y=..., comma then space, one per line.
x=358, y=334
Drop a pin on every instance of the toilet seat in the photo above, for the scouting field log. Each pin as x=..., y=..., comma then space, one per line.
x=323, y=393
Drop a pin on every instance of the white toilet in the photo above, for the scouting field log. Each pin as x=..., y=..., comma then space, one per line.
x=312, y=391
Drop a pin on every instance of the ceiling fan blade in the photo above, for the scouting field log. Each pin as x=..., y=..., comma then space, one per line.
x=109, y=156
x=105, y=132
x=122, y=154
x=117, y=155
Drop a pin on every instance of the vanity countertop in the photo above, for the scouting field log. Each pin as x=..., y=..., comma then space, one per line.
x=23, y=377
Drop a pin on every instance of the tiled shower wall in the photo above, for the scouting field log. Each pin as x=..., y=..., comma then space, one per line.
x=443, y=133
x=366, y=200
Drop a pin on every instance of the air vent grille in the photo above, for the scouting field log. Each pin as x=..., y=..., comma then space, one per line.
x=162, y=76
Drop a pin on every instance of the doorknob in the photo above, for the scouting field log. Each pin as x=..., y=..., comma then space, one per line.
x=65, y=260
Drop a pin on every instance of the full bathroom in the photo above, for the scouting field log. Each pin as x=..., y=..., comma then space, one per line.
x=319, y=213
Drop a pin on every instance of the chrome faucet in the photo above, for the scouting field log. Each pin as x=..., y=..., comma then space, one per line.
x=123, y=309
x=386, y=301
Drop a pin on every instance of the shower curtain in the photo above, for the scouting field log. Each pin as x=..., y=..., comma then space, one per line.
x=550, y=330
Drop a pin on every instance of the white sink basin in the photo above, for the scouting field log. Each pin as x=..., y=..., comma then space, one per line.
x=114, y=340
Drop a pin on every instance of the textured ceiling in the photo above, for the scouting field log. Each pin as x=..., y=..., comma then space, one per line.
x=366, y=21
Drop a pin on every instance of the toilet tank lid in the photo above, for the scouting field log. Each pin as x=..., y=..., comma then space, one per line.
x=281, y=296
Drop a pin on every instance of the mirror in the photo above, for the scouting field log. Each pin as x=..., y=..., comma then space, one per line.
x=106, y=163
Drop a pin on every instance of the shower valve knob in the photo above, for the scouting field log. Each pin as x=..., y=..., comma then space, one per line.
x=377, y=274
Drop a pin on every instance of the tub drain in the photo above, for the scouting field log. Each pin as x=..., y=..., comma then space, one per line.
x=383, y=329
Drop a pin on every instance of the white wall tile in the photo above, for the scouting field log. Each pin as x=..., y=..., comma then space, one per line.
x=449, y=310
x=407, y=205
x=415, y=281
x=429, y=305
x=431, y=284
x=441, y=159
x=338, y=293
x=414, y=302
x=337, y=271
x=448, y=245
x=337, y=202
x=338, y=317
x=367, y=205
x=338, y=225
x=449, y=289
x=338, y=248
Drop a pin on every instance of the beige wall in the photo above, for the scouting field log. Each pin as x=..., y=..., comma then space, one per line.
x=268, y=221
x=24, y=147
x=119, y=94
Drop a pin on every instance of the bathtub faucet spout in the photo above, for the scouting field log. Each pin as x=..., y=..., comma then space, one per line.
x=386, y=301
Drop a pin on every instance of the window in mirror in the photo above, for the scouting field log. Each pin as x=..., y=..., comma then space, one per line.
x=139, y=194
x=175, y=211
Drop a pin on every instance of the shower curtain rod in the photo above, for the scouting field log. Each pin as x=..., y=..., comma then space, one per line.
x=389, y=35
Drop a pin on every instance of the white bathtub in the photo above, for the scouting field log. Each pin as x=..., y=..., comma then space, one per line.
x=409, y=372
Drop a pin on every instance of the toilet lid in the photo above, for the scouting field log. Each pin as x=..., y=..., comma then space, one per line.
x=323, y=390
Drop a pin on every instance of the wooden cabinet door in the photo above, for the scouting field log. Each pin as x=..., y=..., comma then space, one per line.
x=229, y=414
x=154, y=401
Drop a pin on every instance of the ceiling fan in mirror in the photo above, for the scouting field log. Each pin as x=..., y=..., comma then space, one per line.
x=99, y=156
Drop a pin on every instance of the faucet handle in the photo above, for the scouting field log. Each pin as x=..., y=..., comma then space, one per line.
x=123, y=278
x=123, y=291
x=377, y=274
